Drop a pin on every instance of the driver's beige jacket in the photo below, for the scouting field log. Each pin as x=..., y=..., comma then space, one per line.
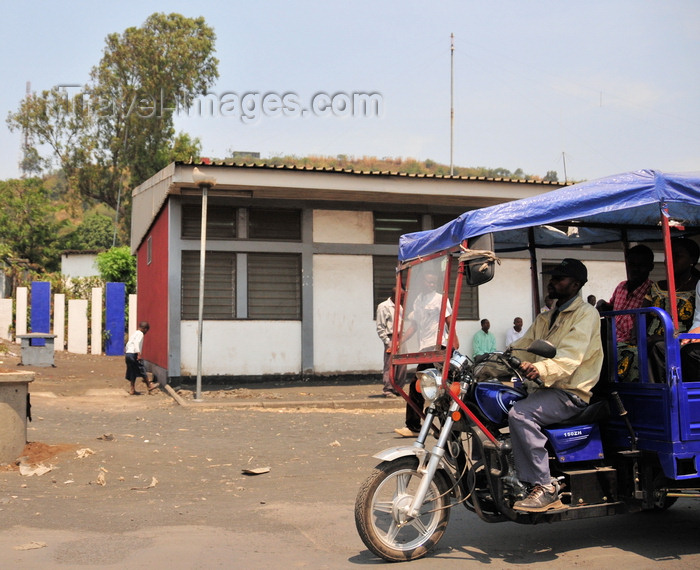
x=576, y=335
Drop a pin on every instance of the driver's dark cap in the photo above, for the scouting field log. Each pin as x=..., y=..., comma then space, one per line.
x=571, y=268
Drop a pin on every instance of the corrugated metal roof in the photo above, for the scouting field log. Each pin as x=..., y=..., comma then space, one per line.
x=292, y=182
x=327, y=169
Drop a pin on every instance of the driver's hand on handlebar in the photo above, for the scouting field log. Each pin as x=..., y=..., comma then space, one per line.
x=530, y=371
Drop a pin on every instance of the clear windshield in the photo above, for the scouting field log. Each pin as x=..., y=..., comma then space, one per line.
x=420, y=329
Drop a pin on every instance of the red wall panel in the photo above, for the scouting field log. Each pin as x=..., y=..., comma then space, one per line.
x=152, y=289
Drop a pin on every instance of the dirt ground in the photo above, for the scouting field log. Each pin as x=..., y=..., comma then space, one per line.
x=78, y=374
x=88, y=377
x=145, y=482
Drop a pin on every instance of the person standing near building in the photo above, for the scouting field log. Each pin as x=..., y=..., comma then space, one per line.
x=134, y=365
x=385, y=330
x=484, y=341
x=515, y=332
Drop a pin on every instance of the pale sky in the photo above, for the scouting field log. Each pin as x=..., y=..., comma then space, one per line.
x=611, y=85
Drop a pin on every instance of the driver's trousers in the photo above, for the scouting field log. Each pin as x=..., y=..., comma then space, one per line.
x=545, y=406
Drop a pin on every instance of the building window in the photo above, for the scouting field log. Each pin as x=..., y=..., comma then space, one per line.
x=274, y=286
x=384, y=277
x=221, y=221
x=149, y=250
x=269, y=224
x=388, y=227
x=219, y=285
x=469, y=300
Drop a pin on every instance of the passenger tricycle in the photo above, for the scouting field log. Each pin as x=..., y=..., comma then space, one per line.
x=635, y=447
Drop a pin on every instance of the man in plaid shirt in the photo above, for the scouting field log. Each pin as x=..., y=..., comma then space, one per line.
x=630, y=294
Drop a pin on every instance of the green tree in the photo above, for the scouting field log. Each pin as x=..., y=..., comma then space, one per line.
x=28, y=224
x=119, y=266
x=186, y=148
x=551, y=176
x=96, y=231
x=118, y=131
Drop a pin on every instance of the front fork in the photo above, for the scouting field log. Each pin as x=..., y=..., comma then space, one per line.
x=438, y=452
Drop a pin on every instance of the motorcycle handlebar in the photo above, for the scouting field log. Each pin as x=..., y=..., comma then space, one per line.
x=515, y=362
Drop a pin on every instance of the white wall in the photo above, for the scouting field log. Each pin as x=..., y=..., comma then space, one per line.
x=345, y=334
x=502, y=299
x=242, y=347
x=79, y=265
x=342, y=226
x=603, y=277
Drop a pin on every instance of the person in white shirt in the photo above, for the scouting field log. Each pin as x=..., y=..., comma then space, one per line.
x=385, y=330
x=515, y=332
x=134, y=365
x=425, y=323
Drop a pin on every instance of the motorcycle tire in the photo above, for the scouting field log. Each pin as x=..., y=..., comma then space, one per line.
x=379, y=507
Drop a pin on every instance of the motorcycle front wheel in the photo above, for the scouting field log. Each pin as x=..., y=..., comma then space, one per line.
x=380, y=511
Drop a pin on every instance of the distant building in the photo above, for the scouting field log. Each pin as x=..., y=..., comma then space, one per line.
x=245, y=154
x=297, y=260
x=78, y=263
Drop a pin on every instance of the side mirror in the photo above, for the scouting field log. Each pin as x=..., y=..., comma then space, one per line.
x=479, y=260
x=542, y=348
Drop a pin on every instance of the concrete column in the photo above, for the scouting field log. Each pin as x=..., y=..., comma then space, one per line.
x=59, y=320
x=21, y=308
x=5, y=319
x=133, y=315
x=77, y=326
x=96, y=318
x=13, y=414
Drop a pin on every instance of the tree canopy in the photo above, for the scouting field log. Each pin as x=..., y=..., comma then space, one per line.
x=118, y=130
x=28, y=223
x=118, y=265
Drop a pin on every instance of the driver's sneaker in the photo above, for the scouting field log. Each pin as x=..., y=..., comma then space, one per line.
x=541, y=499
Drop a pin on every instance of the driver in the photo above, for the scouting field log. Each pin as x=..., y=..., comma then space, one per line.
x=564, y=382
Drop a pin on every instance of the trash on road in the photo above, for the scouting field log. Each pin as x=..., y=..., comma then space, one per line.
x=256, y=471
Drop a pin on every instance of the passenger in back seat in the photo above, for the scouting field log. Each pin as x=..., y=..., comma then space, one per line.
x=690, y=347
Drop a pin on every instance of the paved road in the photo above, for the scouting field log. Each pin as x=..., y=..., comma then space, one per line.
x=174, y=496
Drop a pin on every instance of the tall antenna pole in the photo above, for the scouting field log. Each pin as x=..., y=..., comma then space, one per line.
x=563, y=157
x=452, y=102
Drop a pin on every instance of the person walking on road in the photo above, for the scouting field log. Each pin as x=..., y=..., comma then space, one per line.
x=134, y=364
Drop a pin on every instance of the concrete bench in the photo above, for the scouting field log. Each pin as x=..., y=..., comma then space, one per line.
x=37, y=354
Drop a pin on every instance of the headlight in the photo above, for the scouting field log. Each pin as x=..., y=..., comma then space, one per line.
x=458, y=363
x=430, y=382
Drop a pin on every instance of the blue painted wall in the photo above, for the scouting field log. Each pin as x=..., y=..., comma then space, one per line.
x=115, y=304
x=40, y=320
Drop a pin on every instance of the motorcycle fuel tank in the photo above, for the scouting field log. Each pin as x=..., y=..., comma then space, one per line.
x=495, y=400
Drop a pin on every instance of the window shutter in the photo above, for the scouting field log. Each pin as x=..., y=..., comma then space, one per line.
x=274, y=286
x=219, y=285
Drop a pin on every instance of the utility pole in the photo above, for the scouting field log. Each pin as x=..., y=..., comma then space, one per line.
x=563, y=157
x=452, y=102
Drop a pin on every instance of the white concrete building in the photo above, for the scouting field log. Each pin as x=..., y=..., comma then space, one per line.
x=297, y=260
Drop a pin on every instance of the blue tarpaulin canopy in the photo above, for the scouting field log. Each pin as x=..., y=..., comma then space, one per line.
x=595, y=212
